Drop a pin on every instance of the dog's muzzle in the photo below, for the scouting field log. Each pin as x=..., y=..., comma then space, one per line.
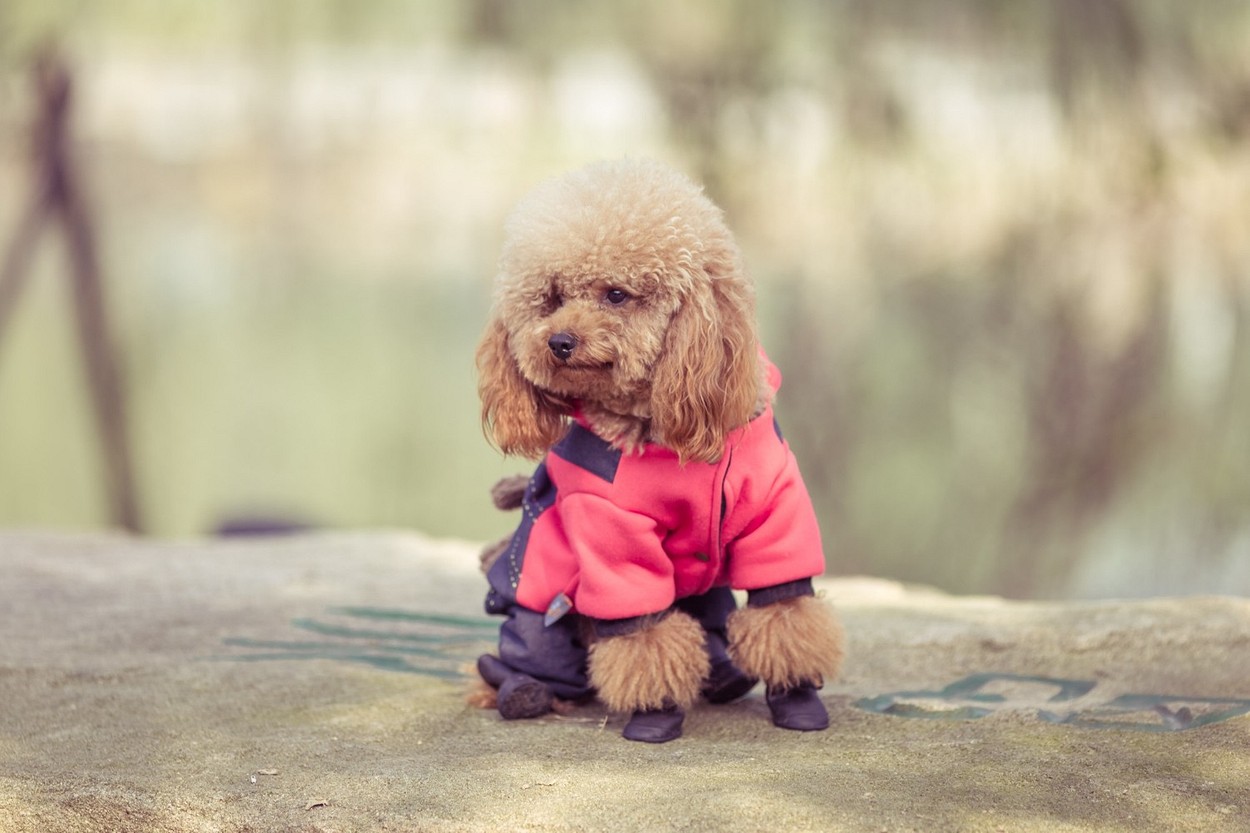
x=562, y=345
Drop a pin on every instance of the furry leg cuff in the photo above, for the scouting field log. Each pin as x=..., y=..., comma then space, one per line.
x=657, y=667
x=788, y=643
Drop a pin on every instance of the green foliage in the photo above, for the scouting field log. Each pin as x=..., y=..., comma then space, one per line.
x=1000, y=249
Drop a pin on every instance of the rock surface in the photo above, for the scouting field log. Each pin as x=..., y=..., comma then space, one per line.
x=314, y=683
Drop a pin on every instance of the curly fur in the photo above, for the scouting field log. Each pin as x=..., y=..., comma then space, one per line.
x=481, y=694
x=490, y=554
x=633, y=268
x=509, y=492
x=790, y=642
x=663, y=664
x=674, y=363
x=519, y=417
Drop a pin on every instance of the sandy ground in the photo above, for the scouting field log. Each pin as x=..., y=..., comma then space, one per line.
x=313, y=684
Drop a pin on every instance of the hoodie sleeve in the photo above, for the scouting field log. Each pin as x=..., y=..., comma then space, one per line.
x=783, y=544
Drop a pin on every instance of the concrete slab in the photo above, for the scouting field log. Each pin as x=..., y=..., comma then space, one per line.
x=312, y=684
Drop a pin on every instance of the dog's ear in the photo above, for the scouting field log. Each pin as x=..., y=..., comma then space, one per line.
x=707, y=380
x=516, y=416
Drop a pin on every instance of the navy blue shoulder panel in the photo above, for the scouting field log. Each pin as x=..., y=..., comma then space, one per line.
x=585, y=450
x=505, y=574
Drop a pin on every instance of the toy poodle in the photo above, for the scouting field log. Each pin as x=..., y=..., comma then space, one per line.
x=623, y=352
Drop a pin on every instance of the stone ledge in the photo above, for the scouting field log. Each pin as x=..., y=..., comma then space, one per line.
x=312, y=683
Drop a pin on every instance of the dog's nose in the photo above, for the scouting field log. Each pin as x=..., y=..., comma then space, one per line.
x=562, y=345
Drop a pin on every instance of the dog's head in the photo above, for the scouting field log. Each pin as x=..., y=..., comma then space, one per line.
x=619, y=288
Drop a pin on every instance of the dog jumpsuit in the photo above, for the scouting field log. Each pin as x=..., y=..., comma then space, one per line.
x=619, y=538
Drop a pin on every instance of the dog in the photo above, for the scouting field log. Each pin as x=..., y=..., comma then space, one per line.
x=622, y=352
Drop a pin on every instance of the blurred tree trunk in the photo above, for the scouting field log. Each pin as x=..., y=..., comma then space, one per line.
x=724, y=59
x=56, y=195
x=1097, y=46
x=1089, y=419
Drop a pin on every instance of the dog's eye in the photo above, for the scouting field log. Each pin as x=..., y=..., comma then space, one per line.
x=616, y=297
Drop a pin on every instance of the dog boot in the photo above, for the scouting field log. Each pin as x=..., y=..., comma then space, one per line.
x=726, y=683
x=797, y=708
x=655, y=725
x=520, y=696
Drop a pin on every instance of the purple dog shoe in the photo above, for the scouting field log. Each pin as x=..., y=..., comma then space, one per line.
x=797, y=708
x=655, y=725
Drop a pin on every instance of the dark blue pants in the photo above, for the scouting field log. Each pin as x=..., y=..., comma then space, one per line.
x=556, y=653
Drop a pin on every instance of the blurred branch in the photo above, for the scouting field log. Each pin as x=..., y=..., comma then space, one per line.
x=1095, y=41
x=822, y=420
x=56, y=195
x=1087, y=418
x=17, y=259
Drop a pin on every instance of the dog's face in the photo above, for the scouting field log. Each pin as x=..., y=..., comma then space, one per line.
x=619, y=288
x=592, y=328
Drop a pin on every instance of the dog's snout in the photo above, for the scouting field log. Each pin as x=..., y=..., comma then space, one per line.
x=562, y=345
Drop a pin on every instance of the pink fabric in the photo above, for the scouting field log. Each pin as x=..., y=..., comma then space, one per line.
x=655, y=532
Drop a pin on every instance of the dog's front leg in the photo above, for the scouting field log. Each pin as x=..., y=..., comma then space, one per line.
x=652, y=668
x=791, y=640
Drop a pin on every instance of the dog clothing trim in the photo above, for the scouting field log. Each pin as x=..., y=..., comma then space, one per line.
x=625, y=535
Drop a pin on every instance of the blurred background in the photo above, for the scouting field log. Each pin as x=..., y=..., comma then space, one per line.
x=1002, y=250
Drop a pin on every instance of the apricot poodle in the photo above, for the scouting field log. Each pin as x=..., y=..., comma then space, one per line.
x=623, y=352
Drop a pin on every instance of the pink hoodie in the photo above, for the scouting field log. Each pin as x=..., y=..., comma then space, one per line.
x=623, y=535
